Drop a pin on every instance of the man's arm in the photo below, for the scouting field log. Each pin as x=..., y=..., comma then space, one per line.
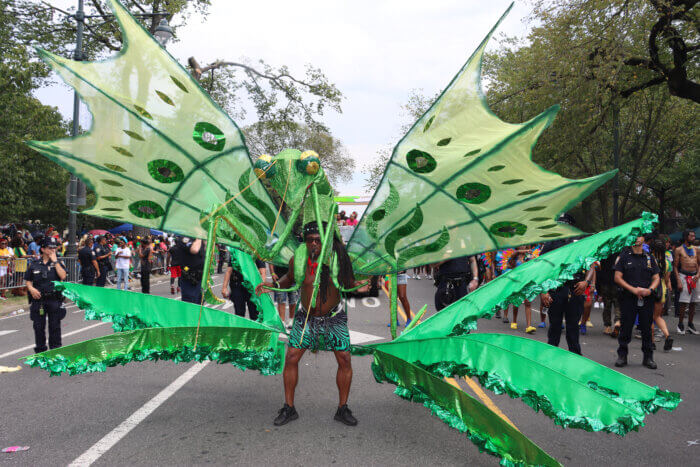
x=474, y=283
x=580, y=287
x=196, y=246
x=95, y=265
x=676, y=262
x=227, y=278
x=284, y=282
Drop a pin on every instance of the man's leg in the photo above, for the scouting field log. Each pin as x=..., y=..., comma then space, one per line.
x=53, y=312
x=646, y=315
x=252, y=309
x=290, y=375
x=39, y=325
x=238, y=299
x=628, y=313
x=556, y=314
x=344, y=376
x=574, y=311
x=102, y=280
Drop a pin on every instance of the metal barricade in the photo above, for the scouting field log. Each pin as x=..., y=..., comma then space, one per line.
x=12, y=270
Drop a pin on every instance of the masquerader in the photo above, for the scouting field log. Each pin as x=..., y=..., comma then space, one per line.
x=323, y=326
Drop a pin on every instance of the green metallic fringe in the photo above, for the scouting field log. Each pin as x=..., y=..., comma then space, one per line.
x=453, y=421
x=492, y=381
x=268, y=362
x=530, y=291
x=120, y=322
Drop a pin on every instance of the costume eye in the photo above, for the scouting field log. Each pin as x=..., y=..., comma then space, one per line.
x=308, y=163
x=264, y=167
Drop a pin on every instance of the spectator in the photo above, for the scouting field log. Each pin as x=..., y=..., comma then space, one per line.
x=89, y=268
x=102, y=254
x=146, y=257
x=123, y=262
x=401, y=285
x=686, y=266
x=34, y=249
x=5, y=258
x=638, y=275
x=607, y=290
x=658, y=249
x=352, y=220
x=222, y=258
x=283, y=299
x=173, y=262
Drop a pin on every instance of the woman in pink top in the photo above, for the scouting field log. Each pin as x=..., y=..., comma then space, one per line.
x=352, y=220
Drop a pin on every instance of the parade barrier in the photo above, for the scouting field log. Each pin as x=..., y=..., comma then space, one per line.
x=12, y=269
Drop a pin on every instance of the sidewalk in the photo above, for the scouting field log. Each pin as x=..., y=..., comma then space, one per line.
x=20, y=305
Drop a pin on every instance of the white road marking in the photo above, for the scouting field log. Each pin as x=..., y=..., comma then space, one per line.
x=64, y=335
x=9, y=331
x=360, y=337
x=113, y=437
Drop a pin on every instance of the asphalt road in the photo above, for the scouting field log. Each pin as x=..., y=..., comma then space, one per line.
x=193, y=414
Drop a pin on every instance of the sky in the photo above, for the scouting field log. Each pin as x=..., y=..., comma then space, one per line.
x=376, y=52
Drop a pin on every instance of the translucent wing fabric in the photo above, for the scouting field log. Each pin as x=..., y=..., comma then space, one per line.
x=462, y=182
x=159, y=151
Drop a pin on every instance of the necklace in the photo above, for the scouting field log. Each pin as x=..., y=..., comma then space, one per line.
x=689, y=251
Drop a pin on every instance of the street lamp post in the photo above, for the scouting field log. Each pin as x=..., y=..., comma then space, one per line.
x=163, y=34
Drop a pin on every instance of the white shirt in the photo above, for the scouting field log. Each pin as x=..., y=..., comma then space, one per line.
x=123, y=263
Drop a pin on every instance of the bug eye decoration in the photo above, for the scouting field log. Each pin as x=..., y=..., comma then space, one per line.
x=309, y=163
x=264, y=167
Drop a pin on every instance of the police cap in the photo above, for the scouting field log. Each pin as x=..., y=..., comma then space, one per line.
x=49, y=242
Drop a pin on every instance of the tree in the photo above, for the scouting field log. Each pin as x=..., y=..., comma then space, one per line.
x=416, y=105
x=663, y=52
x=31, y=187
x=555, y=65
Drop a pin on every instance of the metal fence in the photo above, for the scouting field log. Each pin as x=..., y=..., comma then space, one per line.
x=12, y=269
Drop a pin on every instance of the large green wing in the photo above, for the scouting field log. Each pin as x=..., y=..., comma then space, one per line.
x=159, y=151
x=461, y=182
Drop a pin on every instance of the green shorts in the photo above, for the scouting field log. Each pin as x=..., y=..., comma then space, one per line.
x=327, y=332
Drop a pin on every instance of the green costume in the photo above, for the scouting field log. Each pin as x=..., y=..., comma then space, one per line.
x=160, y=153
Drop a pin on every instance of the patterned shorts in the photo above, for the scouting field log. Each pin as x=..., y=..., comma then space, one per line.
x=327, y=332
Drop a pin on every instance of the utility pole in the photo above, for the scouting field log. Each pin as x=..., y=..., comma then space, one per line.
x=73, y=188
x=616, y=161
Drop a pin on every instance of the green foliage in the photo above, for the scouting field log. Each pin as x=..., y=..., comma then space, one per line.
x=31, y=187
x=559, y=63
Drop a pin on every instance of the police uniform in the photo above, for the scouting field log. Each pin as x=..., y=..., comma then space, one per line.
x=86, y=255
x=104, y=264
x=452, y=281
x=50, y=305
x=638, y=271
x=565, y=304
x=240, y=296
x=192, y=269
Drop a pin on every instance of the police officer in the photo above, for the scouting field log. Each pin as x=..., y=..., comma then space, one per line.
x=102, y=254
x=454, y=279
x=88, y=263
x=192, y=263
x=45, y=300
x=567, y=300
x=637, y=273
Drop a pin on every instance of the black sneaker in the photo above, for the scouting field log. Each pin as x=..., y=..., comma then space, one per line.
x=344, y=415
x=680, y=328
x=692, y=330
x=621, y=361
x=649, y=363
x=668, y=344
x=505, y=320
x=286, y=414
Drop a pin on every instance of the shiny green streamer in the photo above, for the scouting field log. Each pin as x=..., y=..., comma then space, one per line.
x=407, y=229
x=253, y=200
